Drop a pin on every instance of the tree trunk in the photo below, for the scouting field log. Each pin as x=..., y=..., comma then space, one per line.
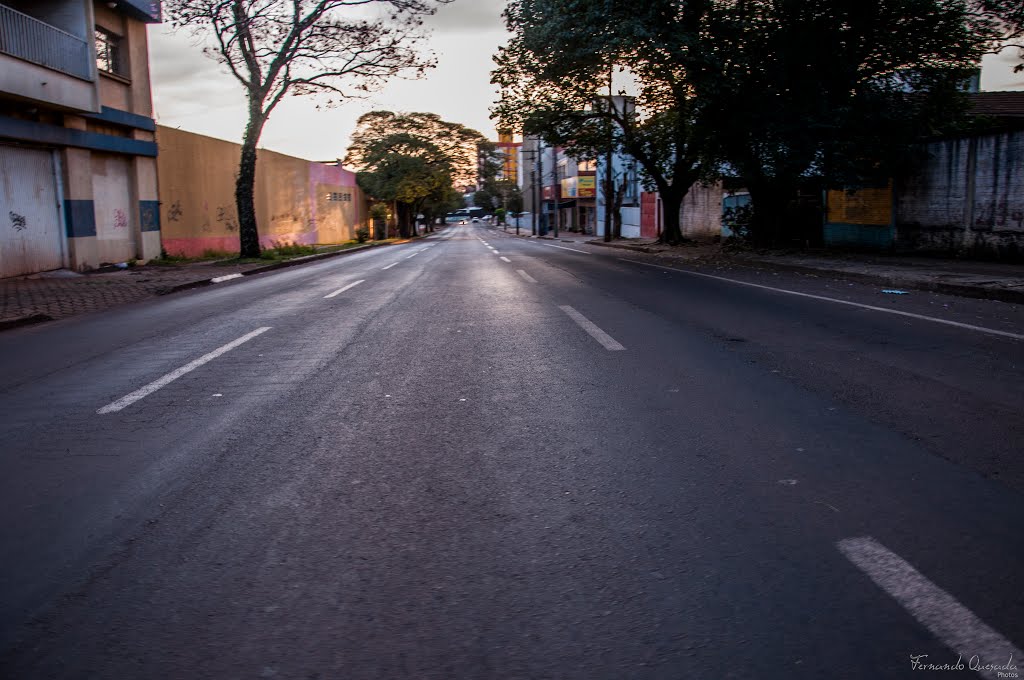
x=245, y=186
x=609, y=196
x=618, y=197
x=671, y=205
x=771, y=199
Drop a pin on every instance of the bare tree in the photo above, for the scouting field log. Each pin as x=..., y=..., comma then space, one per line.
x=276, y=48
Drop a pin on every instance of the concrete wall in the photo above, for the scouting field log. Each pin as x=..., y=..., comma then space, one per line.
x=967, y=199
x=297, y=201
x=700, y=216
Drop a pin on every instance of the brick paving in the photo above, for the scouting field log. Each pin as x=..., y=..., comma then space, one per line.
x=61, y=294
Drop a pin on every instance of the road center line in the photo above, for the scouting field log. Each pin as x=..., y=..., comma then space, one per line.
x=342, y=290
x=145, y=391
x=607, y=341
x=505, y=258
x=922, y=317
x=390, y=265
x=413, y=255
x=948, y=620
x=526, y=276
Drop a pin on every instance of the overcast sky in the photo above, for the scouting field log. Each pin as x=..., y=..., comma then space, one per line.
x=193, y=92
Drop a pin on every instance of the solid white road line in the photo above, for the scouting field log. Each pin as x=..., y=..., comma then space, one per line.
x=607, y=341
x=551, y=245
x=526, y=276
x=342, y=290
x=505, y=258
x=390, y=265
x=226, y=277
x=152, y=387
x=922, y=317
x=948, y=620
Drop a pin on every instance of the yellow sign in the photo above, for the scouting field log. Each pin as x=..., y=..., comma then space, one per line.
x=586, y=186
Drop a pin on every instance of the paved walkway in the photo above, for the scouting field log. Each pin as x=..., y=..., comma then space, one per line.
x=55, y=295
x=59, y=294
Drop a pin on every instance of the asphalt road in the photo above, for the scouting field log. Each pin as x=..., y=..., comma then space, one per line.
x=549, y=461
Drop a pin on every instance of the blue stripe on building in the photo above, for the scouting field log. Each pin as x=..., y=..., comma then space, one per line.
x=79, y=218
x=149, y=215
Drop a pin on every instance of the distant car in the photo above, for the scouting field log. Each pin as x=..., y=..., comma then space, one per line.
x=464, y=220
x=476, y=219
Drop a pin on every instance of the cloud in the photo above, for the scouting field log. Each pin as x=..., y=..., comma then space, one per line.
x=997, y=71
x=468, y=16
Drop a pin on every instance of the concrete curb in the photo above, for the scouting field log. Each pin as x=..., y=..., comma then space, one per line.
x=891, y=280
x=202, y=283
x=948, y=288
x=30, y=320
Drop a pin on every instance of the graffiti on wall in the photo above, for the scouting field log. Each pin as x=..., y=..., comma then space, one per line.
x=174, y=213
x=18, y=222
x=226, y=219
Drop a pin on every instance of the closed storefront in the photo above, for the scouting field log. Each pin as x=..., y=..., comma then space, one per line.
x=115, y=228
x=31, y=233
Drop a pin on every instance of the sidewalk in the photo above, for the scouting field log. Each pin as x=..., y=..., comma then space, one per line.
x=985, y=280
x=59, y=294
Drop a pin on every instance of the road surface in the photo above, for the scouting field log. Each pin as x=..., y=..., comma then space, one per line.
x=478, y=456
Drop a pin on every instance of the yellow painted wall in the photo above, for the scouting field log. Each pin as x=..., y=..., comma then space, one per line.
x=864, y=206
x=297, y=201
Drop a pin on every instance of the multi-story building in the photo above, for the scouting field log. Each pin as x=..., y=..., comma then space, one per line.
x=509, y=149
x=78, y=183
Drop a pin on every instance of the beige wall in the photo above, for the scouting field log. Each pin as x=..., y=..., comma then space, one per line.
x=297, y=201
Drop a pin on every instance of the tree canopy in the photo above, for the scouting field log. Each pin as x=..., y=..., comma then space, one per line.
x=415, y=160
x=457, y=143
x=555, y=72
x=770, y=90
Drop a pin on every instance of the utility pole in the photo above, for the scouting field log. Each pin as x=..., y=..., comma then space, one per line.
x=540, y=179
x=609, y=187
x=556, y=189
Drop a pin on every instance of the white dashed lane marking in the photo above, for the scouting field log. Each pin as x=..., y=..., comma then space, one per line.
x=948, y=620
x=526, y=276
x=165, y=380
x=343, y=289
x=607, y=341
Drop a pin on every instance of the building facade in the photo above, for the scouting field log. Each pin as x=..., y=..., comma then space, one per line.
x=77, y=145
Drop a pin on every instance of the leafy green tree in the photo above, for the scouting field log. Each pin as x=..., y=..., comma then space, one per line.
x=554, y=77
x=277, y=48
x=408, y=171
x=417, y=161
x=842, y=89
x=483, y=198
x=459, y=144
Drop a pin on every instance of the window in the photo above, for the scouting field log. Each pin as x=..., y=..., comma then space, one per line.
x=109, y=57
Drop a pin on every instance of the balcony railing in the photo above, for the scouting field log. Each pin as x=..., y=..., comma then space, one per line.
x=36, y=41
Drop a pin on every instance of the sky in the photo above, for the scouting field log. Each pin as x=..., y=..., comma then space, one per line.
x=193, y=92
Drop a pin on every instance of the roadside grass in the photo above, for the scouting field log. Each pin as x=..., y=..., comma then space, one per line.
x=278, y=252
